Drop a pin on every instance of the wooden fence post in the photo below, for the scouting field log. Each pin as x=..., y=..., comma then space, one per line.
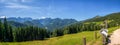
x=104, y=40
x=106, y=24
x=84, y=40
x=95, y=34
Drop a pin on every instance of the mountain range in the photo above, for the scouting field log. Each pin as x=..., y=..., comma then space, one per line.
x=47, y=23
x=51, y=24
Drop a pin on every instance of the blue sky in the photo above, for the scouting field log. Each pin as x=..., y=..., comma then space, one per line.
x=76, y=9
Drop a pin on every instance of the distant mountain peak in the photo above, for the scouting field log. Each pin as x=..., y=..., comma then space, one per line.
x=2, y=16
x=97, y=16
x=47, y=23
x=43, y=17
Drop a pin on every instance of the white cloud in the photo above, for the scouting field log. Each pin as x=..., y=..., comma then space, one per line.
x=43, y=17
x=1, y=0
x=16, y=1
x=24, y=8
x=2, y=16
x=23, y=1
x=26, y=1
x=16, y=6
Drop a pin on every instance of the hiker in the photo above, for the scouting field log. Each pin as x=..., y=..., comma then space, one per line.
x=105, y=35
x=104, y=32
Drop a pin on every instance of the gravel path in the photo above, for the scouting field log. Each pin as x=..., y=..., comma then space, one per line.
x=115, y=38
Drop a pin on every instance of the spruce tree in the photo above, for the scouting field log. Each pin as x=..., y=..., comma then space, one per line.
x=1, y=33
x=6, y=30
x=10, y=34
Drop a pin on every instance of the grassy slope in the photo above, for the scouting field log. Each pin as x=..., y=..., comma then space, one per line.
x=69, y=39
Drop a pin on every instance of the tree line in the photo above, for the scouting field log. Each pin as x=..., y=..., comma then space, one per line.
x=10, y=34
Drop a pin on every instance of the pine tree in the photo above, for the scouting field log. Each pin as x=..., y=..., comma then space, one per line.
x=66, y=30
x=6, y=30
x=1, y=33
x=10, y=34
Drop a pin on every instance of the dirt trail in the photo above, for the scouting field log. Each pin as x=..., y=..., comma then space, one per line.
x=115, y=38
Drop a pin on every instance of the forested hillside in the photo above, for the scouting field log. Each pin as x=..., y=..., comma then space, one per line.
x=10, y=34
x=95, y=23
x=113, y=16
